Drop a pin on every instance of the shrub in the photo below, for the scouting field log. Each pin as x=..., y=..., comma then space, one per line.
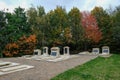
x=11, y=49
x=25, y=45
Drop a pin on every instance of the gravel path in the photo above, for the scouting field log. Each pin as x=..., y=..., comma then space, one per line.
x=44, y=70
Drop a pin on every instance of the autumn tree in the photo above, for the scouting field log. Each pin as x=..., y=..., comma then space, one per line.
x=27, y=44
x=104, y=23
x=11, y=49
x=67, y=36
x=90, y=26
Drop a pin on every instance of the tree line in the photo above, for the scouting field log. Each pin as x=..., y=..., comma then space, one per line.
x=23, y=31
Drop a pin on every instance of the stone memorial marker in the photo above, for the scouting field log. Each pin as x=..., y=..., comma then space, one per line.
x=95, y=51
x=37, y=52
x=66, y=50
x=45, y=51
x=55, y=51
x=105, y=50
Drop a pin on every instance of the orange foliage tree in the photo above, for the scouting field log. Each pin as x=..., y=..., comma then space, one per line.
x=11, y=49
x=25, y=45
x=91, y=28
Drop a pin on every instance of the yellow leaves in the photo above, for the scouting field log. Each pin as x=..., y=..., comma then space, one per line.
x=68, y=35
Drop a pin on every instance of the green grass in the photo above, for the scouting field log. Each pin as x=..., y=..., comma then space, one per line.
x=97, y=69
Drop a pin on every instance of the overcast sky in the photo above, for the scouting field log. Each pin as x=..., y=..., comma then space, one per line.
x=51, y=4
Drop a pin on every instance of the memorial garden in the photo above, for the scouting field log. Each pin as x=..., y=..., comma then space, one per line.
x=45, y=44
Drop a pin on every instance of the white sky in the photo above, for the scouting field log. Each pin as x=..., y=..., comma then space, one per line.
x=51, y=4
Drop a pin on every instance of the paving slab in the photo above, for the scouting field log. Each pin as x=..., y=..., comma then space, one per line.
x=44, y=70
x=4, y=63
x=10, y=65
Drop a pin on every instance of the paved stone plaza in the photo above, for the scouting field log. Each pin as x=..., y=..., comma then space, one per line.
x=44, y=70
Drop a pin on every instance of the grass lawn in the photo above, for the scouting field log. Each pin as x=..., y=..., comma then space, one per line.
x=97, y=69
